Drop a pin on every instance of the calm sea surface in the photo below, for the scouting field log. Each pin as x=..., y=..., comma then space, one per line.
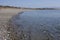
x=38, y=24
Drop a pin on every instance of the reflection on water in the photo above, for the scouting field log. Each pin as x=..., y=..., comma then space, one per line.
x=38, y=25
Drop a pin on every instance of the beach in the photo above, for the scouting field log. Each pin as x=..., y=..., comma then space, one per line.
x=5, y=15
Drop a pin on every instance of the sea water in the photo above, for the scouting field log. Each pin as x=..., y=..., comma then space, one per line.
x=38, y=24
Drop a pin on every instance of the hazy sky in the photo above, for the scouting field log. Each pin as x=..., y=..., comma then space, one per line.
x=31, y=3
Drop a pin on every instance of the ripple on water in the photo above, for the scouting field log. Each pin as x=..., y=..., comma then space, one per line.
x=38, y=25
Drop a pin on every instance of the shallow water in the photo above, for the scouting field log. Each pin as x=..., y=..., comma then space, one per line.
x=38, y=24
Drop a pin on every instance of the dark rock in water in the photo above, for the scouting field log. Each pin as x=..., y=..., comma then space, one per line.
x=36, y=25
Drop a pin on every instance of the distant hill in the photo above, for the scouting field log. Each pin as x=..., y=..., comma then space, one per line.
x=8, y=7
x=29, y=8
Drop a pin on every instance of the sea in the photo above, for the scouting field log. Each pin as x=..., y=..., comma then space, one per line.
x=37, y=25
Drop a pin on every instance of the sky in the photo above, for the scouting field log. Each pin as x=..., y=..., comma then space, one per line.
x=31, y=3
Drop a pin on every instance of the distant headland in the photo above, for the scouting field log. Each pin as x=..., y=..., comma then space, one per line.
x=29, y=8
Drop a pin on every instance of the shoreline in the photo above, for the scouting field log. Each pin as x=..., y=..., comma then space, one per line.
x=5, y=16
